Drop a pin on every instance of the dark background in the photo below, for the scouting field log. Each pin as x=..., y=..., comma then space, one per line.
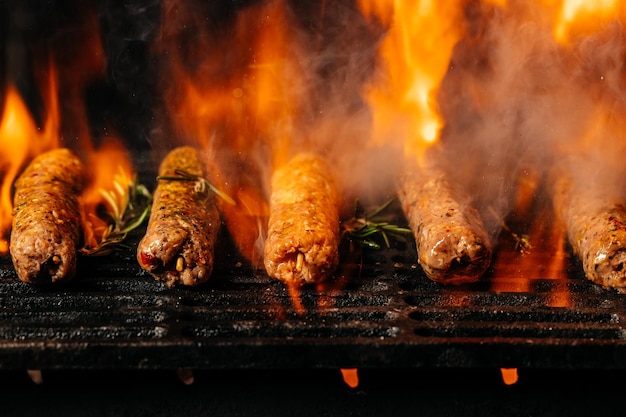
x=425, y=392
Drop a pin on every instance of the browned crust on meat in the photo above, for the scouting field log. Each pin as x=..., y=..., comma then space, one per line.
x=453, y=246
x=596, y=231
x=303, y=228
x=46, y=230
x=178, y=247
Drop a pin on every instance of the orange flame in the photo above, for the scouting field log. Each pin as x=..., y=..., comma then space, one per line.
x=202, y=92
x=416, y=52
x=230, y=98
x=112, y=171
x=204, y=100
x=20, y=140
x=350, y=377
x=509, y=375
x=583, y=16
x=234, y=92
x=274, y=99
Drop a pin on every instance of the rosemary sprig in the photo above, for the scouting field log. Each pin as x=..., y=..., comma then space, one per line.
x=522, y=242
x=364, y=227
x=128, y=208
x=202, y=186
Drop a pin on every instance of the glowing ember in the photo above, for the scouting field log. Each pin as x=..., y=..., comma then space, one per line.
x=350, y=377
x=35, y=376
x=186, y=376
x=509, y=375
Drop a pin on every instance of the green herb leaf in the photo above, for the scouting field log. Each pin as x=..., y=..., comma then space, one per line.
x=128, y=209
x=522, y=241
x=363, y=228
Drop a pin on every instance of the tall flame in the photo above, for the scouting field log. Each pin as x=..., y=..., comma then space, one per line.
x=416, y=55
x=66, y=123
x=232, y=98
x=20, y=140
x=272, y=100
x=202, y=92
x=583, y=16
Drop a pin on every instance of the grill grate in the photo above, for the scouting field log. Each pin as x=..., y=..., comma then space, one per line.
x=114, y=316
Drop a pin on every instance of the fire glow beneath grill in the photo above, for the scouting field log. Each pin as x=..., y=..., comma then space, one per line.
x=350, y=377
x=492, y=106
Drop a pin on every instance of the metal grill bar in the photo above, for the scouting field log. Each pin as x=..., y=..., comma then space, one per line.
x=114, y=316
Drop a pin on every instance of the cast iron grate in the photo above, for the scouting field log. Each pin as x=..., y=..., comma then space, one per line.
x=114, y=316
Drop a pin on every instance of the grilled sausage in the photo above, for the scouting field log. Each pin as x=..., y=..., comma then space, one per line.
x=453, y=246
x=178, y=246
x=596, y=231
x=303, y=227
x=46, y=229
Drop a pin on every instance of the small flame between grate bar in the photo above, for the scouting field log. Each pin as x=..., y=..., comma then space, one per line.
x=114, y=316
